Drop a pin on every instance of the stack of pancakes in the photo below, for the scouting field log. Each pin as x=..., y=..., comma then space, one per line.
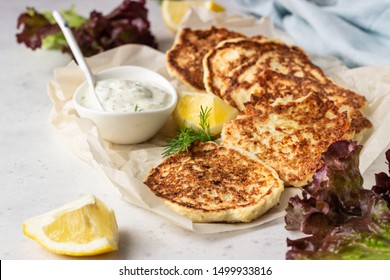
x=289, y=114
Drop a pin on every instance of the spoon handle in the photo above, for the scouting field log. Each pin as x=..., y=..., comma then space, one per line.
x=74, y=47
x=77, y=53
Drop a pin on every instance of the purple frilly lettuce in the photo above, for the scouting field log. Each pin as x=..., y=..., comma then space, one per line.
x=128, y=23
x=341, y=218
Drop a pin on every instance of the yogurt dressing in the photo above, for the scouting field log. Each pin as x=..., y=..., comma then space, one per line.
x=123, y=95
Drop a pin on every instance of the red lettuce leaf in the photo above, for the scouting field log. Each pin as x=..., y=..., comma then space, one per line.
x=343, y=220
x=382, y=180
x=128, y=23
x=35, y=27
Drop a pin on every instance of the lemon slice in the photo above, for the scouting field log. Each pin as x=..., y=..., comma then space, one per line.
x=174, y=11
x=188, y=109
x=83, y=227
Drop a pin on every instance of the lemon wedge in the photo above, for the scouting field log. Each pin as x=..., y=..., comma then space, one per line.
x=188, y=107
x=174, y=11
x=84, y=227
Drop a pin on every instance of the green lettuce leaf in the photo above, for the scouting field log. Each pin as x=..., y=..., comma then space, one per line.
x=72, y=18
x=40, y=30
x=57, y=41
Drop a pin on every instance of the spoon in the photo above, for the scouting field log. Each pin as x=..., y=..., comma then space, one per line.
x=77, y=54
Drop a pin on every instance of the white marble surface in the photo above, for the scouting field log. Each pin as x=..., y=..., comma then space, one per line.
x=39, y=173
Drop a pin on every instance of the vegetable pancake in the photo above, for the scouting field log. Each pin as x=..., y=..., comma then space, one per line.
x=211, y=183
x=290, y=136
x=184, y=59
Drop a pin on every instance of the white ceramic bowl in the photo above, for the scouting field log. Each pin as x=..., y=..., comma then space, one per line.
x=128, y=127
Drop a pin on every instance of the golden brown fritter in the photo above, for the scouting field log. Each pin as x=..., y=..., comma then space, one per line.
x=273, y=85
x=290, y=136
x=233, y=67
x=184, y=59
x=241, y=70
x=210, y=183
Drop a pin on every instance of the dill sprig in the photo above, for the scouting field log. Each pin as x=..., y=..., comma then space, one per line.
x=188, y=135
x=137, y=109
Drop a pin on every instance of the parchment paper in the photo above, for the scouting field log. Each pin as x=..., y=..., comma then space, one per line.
x=126, y=166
